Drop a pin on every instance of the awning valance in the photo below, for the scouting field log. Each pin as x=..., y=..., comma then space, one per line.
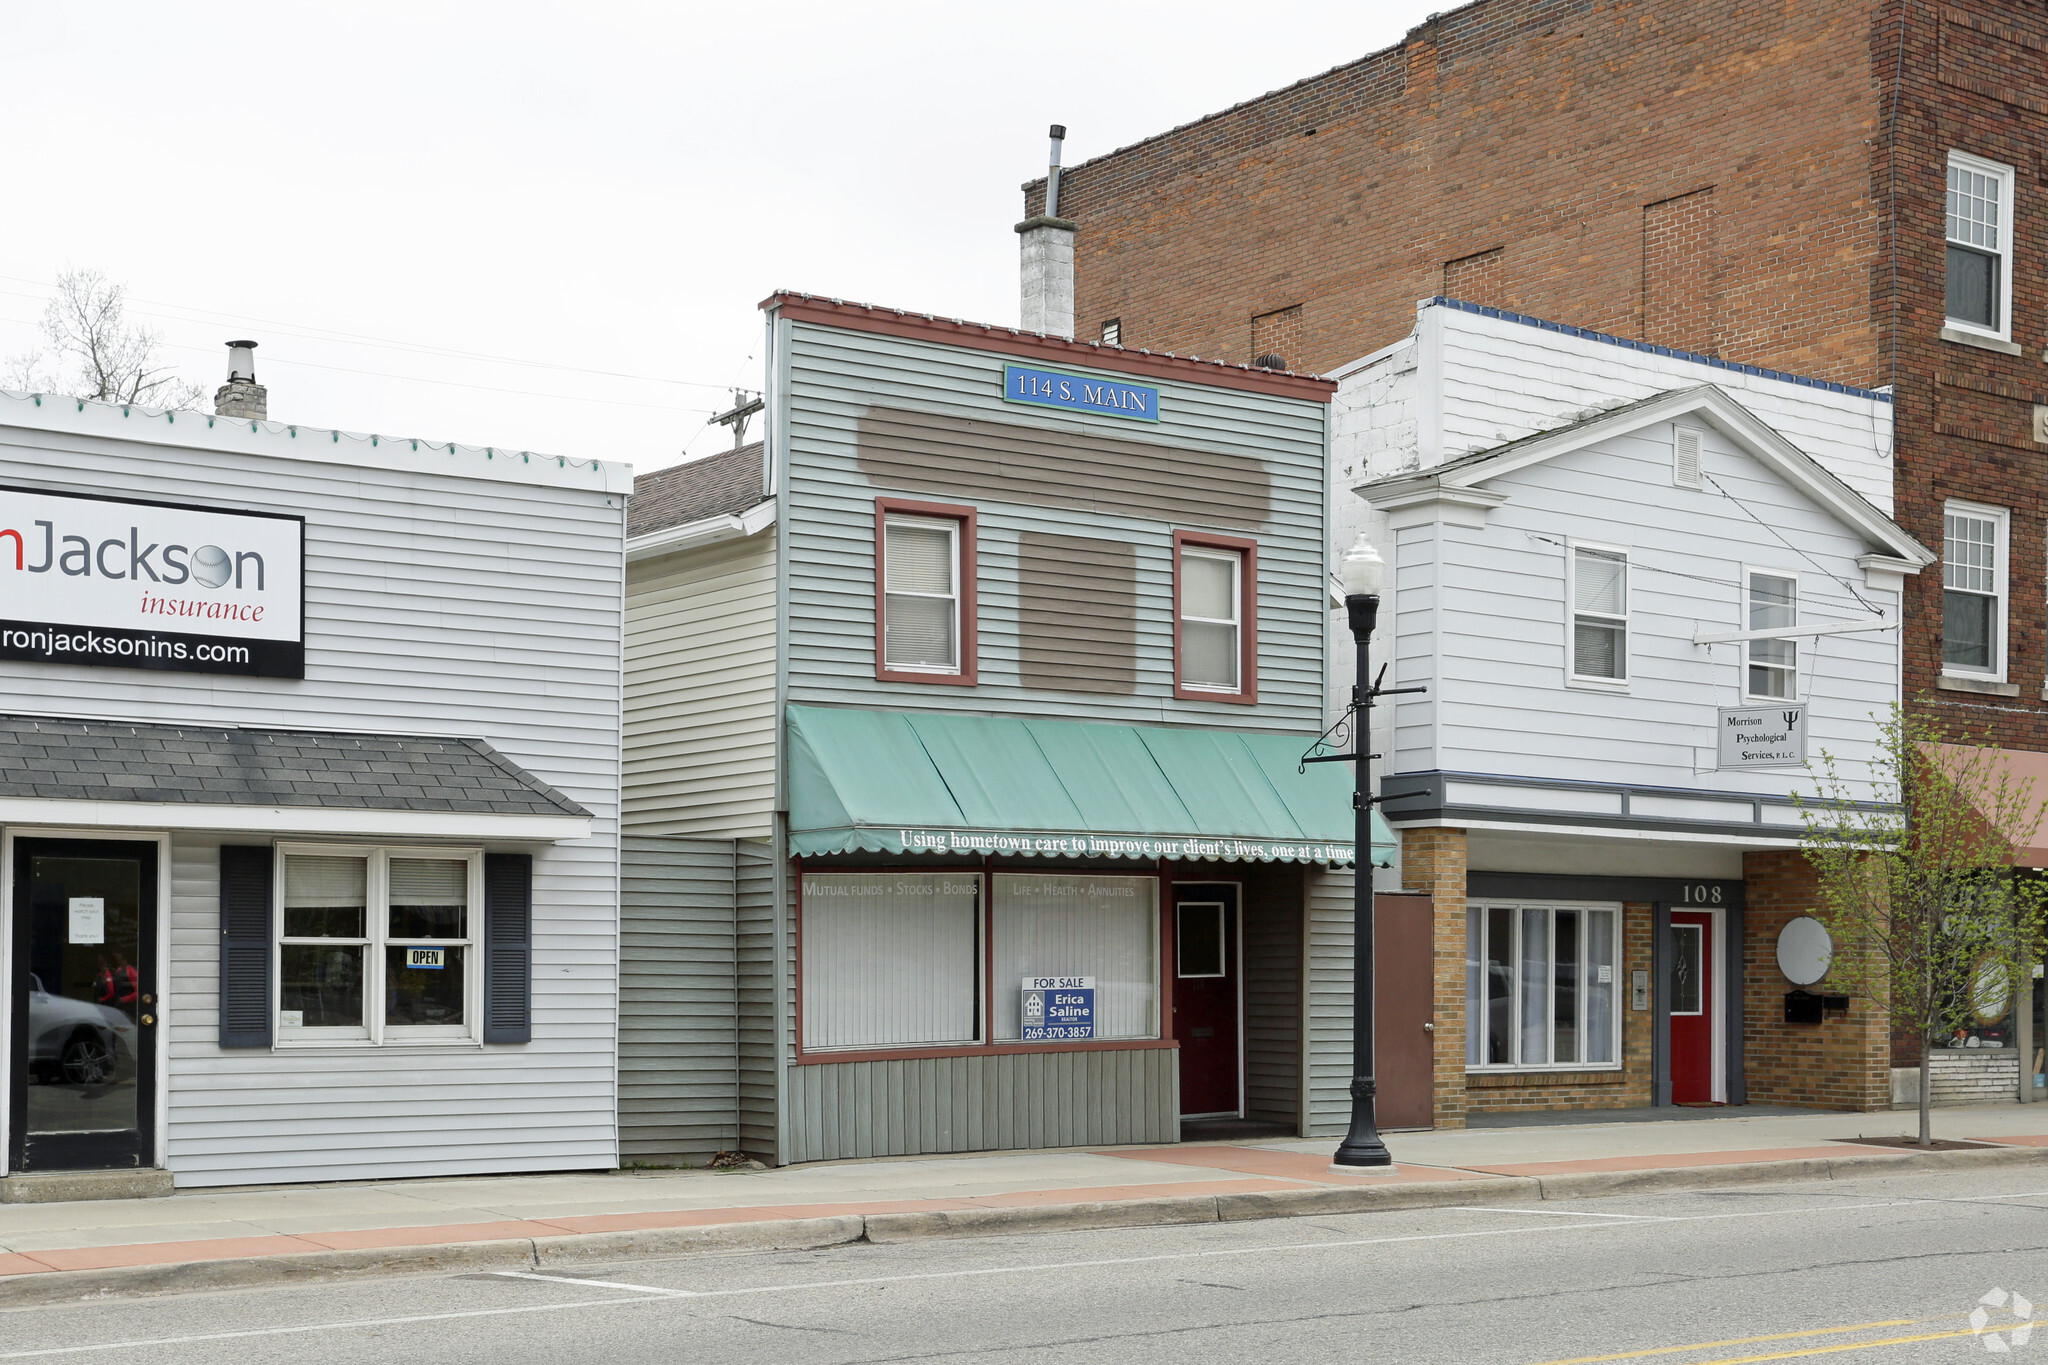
x=872, y=781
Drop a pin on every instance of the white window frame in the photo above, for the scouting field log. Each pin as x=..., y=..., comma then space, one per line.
x=2002, y=518
x=2003, y=174
x=1235, y=558
x=1572, y=676
x=1750, y=572
x=375, y=1032
x=1618, y=1006
x=951, y=526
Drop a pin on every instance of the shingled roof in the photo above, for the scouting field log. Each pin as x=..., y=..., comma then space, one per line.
x=93, y=760
x=717, y=485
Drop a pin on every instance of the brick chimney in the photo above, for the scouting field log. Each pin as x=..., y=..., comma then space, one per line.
x=1048, y=259
x=242, y=396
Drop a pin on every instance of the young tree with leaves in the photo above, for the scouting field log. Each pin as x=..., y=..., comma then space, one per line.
x=1915, y=880
x=96, y=354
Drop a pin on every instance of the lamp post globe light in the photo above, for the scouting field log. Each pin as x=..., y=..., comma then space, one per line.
x=1361, y=573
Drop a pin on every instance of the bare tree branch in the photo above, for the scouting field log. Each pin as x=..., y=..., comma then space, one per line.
x=97, y=354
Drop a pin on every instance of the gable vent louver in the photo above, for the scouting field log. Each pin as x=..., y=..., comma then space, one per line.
x=1685, y=459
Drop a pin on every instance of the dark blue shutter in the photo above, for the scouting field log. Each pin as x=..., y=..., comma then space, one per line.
x=245, y=920
x=508, y=948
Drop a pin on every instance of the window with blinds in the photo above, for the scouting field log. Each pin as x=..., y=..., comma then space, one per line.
x=1211, y=608
x=1106, y=927
x=921, y=594
x=1599, y=588
x=891, y=960
x=1773, y=671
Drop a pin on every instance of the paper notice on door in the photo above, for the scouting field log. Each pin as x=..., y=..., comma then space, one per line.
x=88, y=919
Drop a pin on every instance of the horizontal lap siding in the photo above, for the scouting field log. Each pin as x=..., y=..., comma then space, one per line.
x=678, y=1007
x=700, y=691
x=1330, y=920
x=1504, y=623
x=758, y=1003
x=434, y=605
x=917, y=1105
x=837, y=378
x=1274, y=919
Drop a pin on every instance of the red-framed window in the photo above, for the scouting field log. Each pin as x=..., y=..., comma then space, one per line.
x=1215, y=618
x=903, y=962
x=925, y=610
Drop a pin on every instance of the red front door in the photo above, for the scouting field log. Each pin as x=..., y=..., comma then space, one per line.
x=1205, y=998
x=1689, y=989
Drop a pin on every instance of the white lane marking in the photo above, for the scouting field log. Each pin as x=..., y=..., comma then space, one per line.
x=812, y=1285
x=595, y=1284
x=1572, y=1213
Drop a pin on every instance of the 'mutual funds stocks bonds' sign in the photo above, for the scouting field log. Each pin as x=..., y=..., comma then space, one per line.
x=110, y=583
x=1051, y=389
x=1763, y=736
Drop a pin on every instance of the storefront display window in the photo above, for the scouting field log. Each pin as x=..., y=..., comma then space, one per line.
x=374, y=944
x=891, y=959
x=1539, y=986
x=1103, y=928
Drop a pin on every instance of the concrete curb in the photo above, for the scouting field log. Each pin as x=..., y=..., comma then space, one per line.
x=801, y=1234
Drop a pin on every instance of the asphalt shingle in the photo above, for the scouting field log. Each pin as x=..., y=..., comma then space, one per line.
x=716, y=485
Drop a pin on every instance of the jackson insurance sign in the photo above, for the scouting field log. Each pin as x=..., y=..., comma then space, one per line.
x=117, y=584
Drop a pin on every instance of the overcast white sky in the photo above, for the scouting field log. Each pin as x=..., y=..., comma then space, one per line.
x=368, y=189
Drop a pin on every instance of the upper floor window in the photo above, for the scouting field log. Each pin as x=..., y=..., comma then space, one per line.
x=1215, y=637
x=924, y=592
x=1599, y=592
x=1773, y=664
x=1979, y=245
x=1113, y=332
x=1973, y=590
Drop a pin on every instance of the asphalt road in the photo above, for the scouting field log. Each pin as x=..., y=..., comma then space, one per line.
x=1872, y=1270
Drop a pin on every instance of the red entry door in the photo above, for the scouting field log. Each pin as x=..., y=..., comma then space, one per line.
x=1205, y=999
x=1690, y=991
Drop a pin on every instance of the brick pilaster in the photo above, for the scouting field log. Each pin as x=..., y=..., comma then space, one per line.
x=1433, y=865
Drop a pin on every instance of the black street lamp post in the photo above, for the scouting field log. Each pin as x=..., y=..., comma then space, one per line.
x=1361, y=572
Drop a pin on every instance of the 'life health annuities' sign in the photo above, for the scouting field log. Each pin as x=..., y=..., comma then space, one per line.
x=1763, y=736
x=114, y=583
x=1059, y=1009
x=1107, y=397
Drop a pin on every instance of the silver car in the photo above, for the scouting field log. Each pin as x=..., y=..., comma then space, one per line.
x=75, y=1041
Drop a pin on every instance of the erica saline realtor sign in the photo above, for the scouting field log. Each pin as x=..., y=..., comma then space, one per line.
x=120, y=584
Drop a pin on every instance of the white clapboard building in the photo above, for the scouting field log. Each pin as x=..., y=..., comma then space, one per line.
x=1639, y=589
x=309, y=785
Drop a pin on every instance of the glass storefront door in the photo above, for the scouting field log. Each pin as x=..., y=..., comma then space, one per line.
x=81, y=1080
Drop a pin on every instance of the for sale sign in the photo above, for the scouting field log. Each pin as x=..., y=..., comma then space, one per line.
x=1059, y=1009
x=115, y=583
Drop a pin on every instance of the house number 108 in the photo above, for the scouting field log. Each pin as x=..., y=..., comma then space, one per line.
x=1702, y=894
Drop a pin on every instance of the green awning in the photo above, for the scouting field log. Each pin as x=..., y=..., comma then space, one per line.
x=868, y=781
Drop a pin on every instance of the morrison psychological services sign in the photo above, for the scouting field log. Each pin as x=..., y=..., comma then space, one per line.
x=1762, y=736
x=113, y=583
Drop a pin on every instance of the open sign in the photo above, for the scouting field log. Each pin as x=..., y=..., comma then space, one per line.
x=428, y=958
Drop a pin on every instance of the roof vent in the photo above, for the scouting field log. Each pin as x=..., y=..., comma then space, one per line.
x=242, y=396
x=1685, y=458
x=1269, y=361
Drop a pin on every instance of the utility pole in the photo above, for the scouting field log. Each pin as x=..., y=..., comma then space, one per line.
x=745, y=403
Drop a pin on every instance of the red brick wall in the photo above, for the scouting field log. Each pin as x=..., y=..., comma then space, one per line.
x=1681, y=274
x=1842, y=1063
x=1433, y=864
x=1534, y=127
x=1480, y=278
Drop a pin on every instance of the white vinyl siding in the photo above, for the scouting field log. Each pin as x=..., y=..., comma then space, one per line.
x=1771, y=602
x=921, y=594
x=435, y=605
x=1979, y=233
x=1599, y=594
x=891, y=959
x=1211, y=619
x=1540, y=986
x=1973, y=578
x=700, y=691
x=1101, y=926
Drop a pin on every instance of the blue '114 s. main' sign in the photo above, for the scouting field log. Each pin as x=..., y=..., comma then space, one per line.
x=1051, y=389
x=1059, y=1009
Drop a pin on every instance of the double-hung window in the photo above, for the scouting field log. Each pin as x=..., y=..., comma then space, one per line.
x=377, y=945
x=1973, y=591
x=1599, y=593
x=1215, y=635
x=1773, y=604
x=1979, y=246
x=1540, y=983
x=924, y=592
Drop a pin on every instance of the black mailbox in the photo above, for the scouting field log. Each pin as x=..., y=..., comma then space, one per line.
x=1806, y=1007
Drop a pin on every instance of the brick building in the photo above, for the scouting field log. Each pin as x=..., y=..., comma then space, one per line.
x=1853, y=192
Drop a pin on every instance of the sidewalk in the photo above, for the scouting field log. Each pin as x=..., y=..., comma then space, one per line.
x=296, y=1231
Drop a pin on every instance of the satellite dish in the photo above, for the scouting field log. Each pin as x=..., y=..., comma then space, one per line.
x=1804, y=951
